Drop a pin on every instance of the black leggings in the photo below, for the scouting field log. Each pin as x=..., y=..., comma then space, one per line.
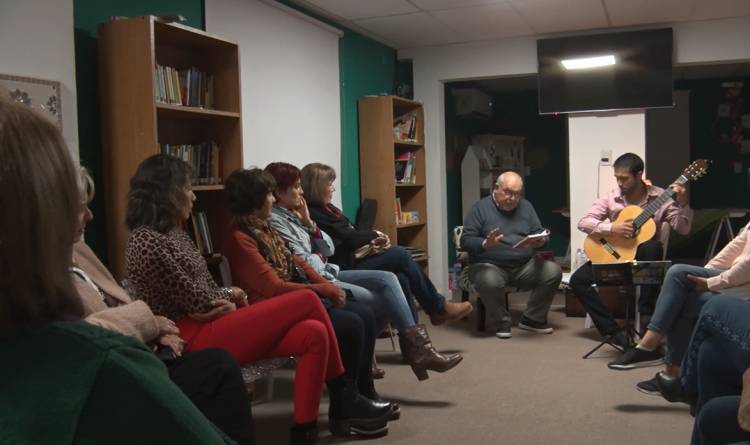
x=354, y=325
x=212, y=380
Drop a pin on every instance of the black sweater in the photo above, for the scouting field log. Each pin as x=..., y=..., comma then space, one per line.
x=346, y=237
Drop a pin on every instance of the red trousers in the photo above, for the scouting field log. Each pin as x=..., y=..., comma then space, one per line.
x=291, y=324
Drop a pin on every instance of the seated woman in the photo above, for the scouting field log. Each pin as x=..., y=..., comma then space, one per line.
x=168, y=273
x=263, y=266
x=210, y=378
x=62, y=380
x=317, y=181
x=685, y=290
x=378, y=289
x=714, y=373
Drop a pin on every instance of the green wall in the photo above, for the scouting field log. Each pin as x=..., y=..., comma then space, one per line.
x=366, y=67
x=87, y=14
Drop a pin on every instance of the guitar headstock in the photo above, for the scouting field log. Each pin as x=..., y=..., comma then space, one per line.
x=696, y=170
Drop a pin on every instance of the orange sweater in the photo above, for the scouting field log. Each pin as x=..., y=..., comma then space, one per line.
x=252, y=273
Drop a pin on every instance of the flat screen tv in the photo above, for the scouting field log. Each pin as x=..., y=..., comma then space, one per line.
x=602, y=72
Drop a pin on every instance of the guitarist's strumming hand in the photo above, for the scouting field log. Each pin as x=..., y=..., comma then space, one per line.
x=623, y=229
x=680, y=194
x=492, y=239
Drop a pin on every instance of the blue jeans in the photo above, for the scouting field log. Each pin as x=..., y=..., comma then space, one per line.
x=717, y=423
x=677, y=308
x=718, y=355
x=397, y=260
x=380, y=291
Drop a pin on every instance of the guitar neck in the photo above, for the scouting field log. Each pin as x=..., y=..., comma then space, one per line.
x=651, y=209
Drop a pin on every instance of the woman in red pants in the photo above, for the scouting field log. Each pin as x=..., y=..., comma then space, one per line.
x=169, y=274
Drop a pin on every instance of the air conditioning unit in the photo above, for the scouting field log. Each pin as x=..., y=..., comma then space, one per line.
x=472, y=102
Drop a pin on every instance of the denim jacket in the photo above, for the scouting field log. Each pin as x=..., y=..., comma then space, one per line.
x=313, y=246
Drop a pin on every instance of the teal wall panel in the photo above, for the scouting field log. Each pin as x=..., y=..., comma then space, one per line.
x=87, y=14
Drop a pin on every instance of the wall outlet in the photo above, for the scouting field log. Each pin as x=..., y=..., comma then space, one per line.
x=606, y=157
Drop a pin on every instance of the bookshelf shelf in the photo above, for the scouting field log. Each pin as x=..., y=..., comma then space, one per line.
x=135, y=125
x=407, y=144
x=172, y=111
x=380, y=122
x=409, y=226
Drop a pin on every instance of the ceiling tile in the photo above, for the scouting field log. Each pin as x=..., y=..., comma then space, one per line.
x=358, y=9
x=714, y=9
x=410, y=30
x=435, y=5
x=546, y=16
x=485, y=22
x=638, y=12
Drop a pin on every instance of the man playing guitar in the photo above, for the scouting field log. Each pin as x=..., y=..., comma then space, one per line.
x=598, y=220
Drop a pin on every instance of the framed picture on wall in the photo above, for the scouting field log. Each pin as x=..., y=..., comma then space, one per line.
x=39, y=94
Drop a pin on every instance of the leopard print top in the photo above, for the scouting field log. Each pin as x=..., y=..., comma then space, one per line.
x=169, y=274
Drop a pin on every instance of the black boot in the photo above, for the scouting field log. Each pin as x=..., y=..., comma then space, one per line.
x=373, y=395
x=351, y=413
x=304, y=434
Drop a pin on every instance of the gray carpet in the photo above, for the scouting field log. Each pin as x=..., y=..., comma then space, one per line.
x=530, y=389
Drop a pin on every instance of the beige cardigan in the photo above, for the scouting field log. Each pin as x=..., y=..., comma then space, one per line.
x=128, y=317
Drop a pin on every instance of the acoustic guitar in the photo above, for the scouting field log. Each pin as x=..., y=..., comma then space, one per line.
x=615, y=249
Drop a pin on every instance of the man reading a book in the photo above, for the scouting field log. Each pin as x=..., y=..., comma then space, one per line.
x=499, y=237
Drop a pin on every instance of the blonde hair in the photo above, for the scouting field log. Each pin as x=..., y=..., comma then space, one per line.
x=40, y=205
x=315, y=179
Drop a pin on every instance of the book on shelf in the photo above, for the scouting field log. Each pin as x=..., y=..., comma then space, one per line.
x=398, y=210
x=204, y=158
x=405, y=127
x=201, y=234
x=189, y=87
x=405, y=167
x=409, y=217
x=415, y=252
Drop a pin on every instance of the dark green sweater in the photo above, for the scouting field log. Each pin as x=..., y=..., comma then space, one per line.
x=515, y=226
x=73, y=383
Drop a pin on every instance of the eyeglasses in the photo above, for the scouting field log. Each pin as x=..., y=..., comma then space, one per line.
x=511, y=193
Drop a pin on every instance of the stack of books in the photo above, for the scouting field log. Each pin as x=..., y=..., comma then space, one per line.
x=405, y=165
x=188, y=87
x=199, y=232
x=405, y=127
x=416, y=253
x=203, y=157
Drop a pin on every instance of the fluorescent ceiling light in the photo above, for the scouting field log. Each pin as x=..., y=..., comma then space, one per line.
x=588, y=62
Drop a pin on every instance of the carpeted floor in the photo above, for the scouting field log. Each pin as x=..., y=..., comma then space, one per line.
x=530, y=389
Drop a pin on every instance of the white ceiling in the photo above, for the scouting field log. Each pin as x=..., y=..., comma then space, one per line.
x=415, y=23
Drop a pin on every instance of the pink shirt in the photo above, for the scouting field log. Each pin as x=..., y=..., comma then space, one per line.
x=734, y=261
x=598, y=219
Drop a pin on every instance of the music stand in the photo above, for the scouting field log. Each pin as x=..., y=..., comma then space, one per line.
x=628, y=276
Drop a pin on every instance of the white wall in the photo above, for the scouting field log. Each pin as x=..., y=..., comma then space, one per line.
x=289, y=81
x=36, y=40
x=588, y=135
x=708, y=41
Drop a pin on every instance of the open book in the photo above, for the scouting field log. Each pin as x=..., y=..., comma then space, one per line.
x=532, y=237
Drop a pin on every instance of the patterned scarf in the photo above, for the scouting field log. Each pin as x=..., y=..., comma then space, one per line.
x=271, y=246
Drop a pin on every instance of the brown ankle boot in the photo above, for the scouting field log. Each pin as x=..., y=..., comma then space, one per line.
x=451, y=311
x=417, y=349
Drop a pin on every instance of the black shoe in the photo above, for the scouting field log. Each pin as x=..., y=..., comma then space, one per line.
x=304, y=434
x=636, y=358
x=619, y=338
x=671, y=389
x=395, y=407
x=504, y=329
x=350, y=413
x=648, y=387
x=534, y=326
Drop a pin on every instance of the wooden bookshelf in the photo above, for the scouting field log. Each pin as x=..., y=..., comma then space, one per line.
x=378, y=149
x=135, y=124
